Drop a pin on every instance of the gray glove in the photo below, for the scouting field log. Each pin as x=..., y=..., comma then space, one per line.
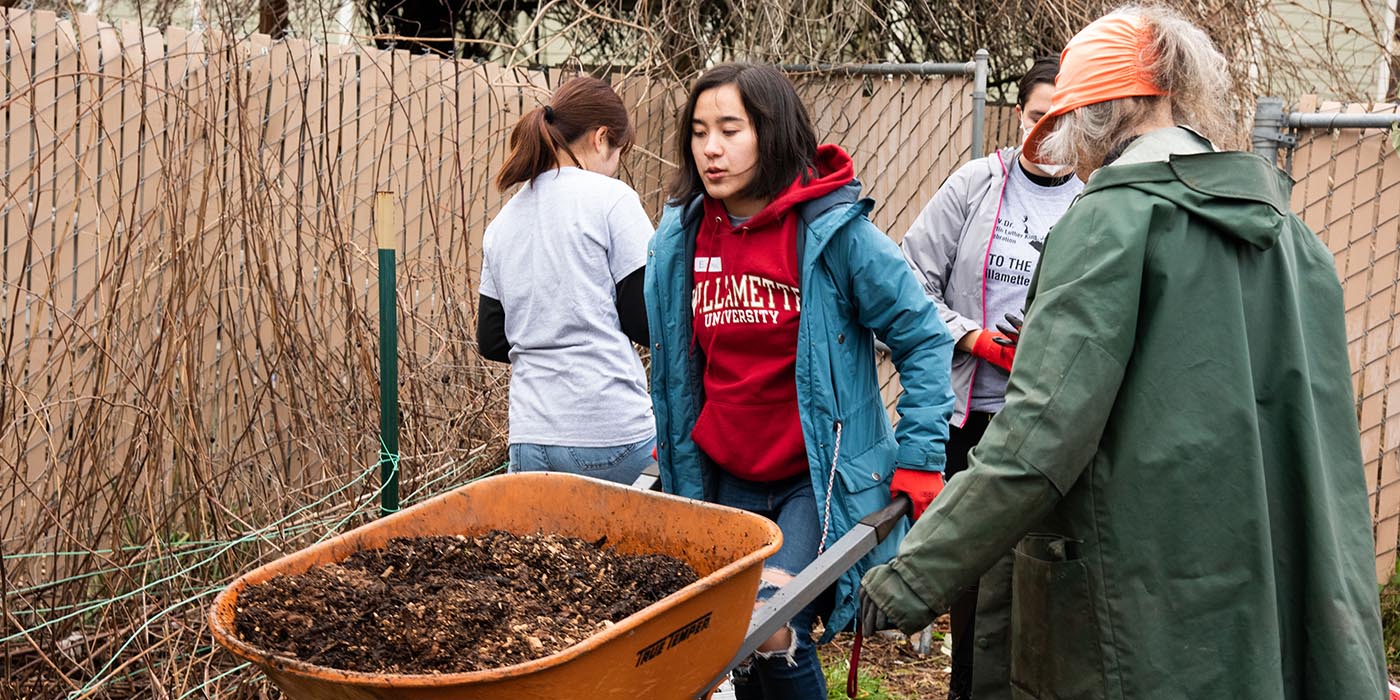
x=1011, y=329
x=872, y=618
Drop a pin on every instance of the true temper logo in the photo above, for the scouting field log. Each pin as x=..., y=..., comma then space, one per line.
x=686, y=631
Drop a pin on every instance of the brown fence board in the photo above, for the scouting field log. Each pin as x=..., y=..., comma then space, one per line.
x=153, y=142
x=109, y=244
x=19, y=153
x=86, y=234
x=345, y=97
x=21, y=248
x=67, y=242
x=414, y=149
x=488, y=101
x=435, y=219
x=42, y=277
x=280, y=139
x=373, y=80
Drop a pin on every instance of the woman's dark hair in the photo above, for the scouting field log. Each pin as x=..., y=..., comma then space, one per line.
x=787, y=144
x=578, y=107
x=1043, y=71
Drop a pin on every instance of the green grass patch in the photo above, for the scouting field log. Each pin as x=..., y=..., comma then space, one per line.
x=868, y=687
x=1390, y=621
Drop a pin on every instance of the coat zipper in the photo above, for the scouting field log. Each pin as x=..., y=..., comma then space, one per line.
x=1001, y=199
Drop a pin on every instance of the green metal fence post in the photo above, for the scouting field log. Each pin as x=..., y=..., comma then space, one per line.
x=386, y=229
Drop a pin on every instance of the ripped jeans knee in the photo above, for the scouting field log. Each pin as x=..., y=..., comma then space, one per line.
x=786, y=666
x=776, y=647
x=789, y=671
x=789, y=654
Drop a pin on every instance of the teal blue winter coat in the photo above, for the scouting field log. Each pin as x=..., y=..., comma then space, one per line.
x=856, y=287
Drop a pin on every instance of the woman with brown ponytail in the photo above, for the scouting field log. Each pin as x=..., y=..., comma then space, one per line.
x=561, y=290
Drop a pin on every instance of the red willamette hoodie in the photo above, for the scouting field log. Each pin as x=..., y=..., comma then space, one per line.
x=745, y=309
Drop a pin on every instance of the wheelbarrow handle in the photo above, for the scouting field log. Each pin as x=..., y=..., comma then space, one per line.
x=813, y=580
x=649, y=479
x=884, y=520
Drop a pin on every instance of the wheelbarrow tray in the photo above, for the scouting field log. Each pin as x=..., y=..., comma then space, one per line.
x=670, y=649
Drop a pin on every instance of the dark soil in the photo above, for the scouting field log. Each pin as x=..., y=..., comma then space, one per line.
x=453, y=604
x=889, y=667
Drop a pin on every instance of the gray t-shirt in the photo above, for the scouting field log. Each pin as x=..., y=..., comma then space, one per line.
x=1028, y=210
x=553, y=258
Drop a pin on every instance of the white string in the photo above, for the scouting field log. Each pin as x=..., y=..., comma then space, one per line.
x=830, y=486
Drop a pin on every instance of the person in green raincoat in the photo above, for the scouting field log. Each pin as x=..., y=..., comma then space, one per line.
x=1177, y=465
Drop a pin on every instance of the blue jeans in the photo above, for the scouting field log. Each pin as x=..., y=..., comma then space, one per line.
x=794, y=673
x=621, y=464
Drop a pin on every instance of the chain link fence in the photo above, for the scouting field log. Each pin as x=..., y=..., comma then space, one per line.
x=1348, y=191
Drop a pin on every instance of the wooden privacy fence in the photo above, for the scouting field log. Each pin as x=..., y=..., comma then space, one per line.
x=189, y=320
x=188, y=263
x=188, y=383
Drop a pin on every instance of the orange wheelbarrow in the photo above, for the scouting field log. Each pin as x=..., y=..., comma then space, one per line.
x=679, y=647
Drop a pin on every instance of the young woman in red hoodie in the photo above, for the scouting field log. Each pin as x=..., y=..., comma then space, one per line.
x=765, y=290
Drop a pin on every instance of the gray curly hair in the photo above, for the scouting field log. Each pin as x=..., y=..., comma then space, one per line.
x=1183, y=61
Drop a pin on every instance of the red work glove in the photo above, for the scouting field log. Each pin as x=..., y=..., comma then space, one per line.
x=1000, y=354
x=920, y=486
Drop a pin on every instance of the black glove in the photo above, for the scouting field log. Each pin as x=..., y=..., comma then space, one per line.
x=1013, y=331
x=872, y=618
x=1011, y=328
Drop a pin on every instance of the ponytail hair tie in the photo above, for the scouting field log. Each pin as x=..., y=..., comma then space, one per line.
x=549, y=114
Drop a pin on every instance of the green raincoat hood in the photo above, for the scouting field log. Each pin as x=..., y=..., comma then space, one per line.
x=1222, y=190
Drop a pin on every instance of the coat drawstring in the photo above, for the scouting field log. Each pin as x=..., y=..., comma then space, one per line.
x=830, y=486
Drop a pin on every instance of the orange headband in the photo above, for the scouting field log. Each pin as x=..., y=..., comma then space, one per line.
x=1104, y=61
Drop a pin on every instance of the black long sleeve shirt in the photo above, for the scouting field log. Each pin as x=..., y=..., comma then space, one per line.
x=631, y=313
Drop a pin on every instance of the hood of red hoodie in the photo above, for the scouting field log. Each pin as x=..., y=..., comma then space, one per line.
x=833, y=170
